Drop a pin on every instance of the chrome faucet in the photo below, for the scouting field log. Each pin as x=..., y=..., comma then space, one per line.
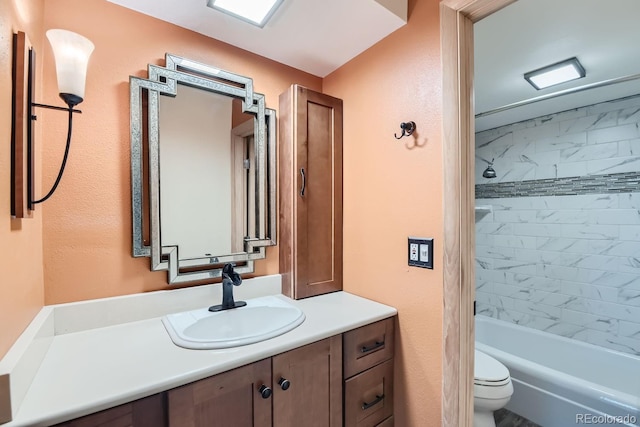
x=229, y=279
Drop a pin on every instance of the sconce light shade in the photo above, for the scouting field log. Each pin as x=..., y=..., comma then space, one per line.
x=71, y=52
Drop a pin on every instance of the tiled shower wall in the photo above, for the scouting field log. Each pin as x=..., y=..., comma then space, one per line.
x=558, y=231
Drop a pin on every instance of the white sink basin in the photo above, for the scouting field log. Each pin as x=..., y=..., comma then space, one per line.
x=262, y=318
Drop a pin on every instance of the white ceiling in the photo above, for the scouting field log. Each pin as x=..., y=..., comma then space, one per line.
x=316, y=36
x=530, y=34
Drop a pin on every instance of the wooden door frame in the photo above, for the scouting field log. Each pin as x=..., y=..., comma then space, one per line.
x=456, y=41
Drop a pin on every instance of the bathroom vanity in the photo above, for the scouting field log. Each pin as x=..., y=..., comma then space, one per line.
x=104, y=362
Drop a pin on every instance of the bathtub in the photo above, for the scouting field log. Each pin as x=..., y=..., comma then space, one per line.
x=560, y=382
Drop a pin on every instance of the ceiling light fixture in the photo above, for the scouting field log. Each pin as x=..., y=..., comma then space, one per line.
x=560, y=72
x=256, y=12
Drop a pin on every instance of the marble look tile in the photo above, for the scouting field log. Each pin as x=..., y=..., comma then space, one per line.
x=629, y=200
x=616, y=104
x=515, y=216
x=613, y=310
x=568, y=330
x=629, y=115
x=484, y=263
x=630, y=329
x=613, y=134
x=491, y=276
x=486, y=310
x=558, y=117
x=615, y=216
x=615, y=165
x=564, y=244
x=567, y=170
x=587, y=201
x=494, y=228
x=629, y=148
x=630, y=232
x=589, y=152
x=518, y=242
x=590, y=321
x=629, y=297
x=615, y=248
x=514, y=266
x=538, y=310
x=495, y=252
x=598, y=121
x=629, y=265
x=588, y=291
x=627, y=345
x=617, y=280
x=531, y=281
x=546, y=171
x=555, y=216
x=561, y=142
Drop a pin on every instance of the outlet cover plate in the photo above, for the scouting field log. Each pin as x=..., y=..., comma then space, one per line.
x=424, y=256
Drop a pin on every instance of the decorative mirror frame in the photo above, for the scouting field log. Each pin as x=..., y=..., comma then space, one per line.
x=164, y=81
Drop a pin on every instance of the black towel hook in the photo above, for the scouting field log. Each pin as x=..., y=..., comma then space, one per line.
x=407, y=129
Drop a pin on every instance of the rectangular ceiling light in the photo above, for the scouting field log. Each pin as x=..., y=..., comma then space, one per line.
x=554, y=74
x=256, y=12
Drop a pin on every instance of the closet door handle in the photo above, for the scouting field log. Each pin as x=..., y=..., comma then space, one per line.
x=377, y=400
x=304, y=182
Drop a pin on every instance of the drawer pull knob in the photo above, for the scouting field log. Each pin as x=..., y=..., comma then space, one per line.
x=264, y=391
x=284, y=383
x=375, y=346
x=366, y=405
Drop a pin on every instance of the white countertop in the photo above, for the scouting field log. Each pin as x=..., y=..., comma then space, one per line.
x=90, y=370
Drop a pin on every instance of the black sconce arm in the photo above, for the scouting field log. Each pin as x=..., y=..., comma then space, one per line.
x=64, y=158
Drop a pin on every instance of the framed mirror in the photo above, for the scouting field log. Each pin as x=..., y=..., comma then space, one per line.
x=203, y=170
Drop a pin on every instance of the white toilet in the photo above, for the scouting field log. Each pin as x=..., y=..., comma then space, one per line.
x=492, y=389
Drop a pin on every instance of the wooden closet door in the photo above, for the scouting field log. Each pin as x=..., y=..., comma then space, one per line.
x=230, y=399
x=311, y=192
x=313, y=396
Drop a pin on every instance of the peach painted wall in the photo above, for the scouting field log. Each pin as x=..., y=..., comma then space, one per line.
x=87, y=223
x=21, y=285
x=392, y=190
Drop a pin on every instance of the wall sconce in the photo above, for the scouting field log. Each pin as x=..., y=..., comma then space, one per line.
x=71, y=53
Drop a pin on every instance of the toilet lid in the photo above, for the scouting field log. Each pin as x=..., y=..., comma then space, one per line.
x=488, y=371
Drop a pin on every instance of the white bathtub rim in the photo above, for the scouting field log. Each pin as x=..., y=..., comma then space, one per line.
x=530, y=388
x=624, y=402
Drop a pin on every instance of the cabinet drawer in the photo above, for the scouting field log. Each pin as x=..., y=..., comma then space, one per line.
x=367, y=346
x=368, y=397
x=386, y=423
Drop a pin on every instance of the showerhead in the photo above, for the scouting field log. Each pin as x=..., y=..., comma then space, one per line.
x=489, y=172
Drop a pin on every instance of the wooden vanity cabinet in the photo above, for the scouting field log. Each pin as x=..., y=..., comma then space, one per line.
x=313, y=397
x=310, y=192
x=368, y=372
x=302, y=387
x=147, y=412
x=240, y=397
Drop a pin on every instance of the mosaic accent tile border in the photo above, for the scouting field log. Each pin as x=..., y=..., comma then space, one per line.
x=626, y=182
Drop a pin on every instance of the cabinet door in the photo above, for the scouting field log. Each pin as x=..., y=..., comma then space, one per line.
x=310, y=192
x=230, y=399
x=147, y=412
x=313, y=396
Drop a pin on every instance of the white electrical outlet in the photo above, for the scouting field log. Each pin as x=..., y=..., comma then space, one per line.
x=421, y=252
x=413, y=252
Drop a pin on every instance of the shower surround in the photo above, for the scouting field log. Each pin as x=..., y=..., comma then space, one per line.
x=559, y=249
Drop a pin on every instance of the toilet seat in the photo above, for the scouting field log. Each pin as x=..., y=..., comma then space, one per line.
x=491, y=379
x=488, y=371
